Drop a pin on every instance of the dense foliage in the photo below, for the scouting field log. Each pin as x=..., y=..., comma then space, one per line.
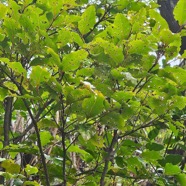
x=89, y=95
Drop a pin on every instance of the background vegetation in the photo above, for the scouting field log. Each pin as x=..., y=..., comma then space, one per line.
x=89, y=95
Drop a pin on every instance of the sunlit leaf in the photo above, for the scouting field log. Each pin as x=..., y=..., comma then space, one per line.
x=180, y=12
x=171, y=169
x=45, y=137
x=31, y=170
x=88, y=19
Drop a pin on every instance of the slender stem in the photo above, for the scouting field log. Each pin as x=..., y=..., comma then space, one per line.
x=64, y=158
x=168, y=144
x=63, y=138
x=39, y=143
x=108, y=158
x=150, y=123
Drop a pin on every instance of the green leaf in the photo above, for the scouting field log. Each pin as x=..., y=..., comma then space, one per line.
x=88, y=20
x=39, y=75
x=55, y=58
x=117, y=172
x=31, y=183
x=114, y=120
x=3, y=11
x=73, y=60
x=11, y=167
x=180, y=12
x=2, y=36
x=154, y=146
x=27, y=25
x=31, y=170
x=86, y=72
x=64, y=37
x=121, y=28
x=171, y=169
x=181, y=179
x=97, y=141
x=46, y=123
x=175, y=74
x=75, y=37
x=3, y=93
x=158, y=105
x=45, y=137
x=138, y=47
x=93, y=106
x=173, y=159
x=75, y=148
x=121, y=4
x=115, y=53
x=122, y=96
x=24, y=148
x=17, y=67
x=10, y=86
x=151, y=155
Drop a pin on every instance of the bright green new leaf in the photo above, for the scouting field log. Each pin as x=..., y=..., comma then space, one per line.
x=171, y=169
x=88, y=20
x=31, y=170
x=180, y=12
x=3, y=11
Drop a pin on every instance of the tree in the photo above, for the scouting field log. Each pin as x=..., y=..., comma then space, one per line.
x=88, y=94
x=167, y=12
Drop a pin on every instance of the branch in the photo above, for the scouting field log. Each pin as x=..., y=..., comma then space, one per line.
x=110, y=154
x=7, y=119
x=36, y=129
x=39, y=143
x=17, y=139
x=150, y=123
